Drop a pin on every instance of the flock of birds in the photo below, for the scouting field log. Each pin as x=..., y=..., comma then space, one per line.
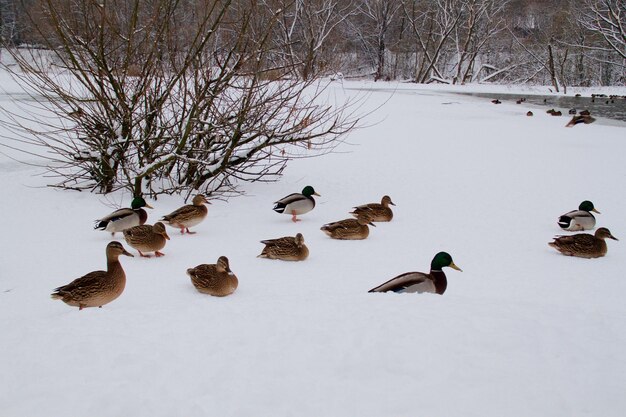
x=98, y=288
x=584, y=116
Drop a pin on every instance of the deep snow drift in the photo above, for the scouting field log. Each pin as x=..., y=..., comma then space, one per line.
x=523, y=331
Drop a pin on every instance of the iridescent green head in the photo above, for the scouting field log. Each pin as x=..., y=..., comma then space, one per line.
x=443, y=259
x=139, y=202
x=308, y=191
x=587, y=206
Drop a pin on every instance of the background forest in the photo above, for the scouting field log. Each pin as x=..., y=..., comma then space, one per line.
x=558, y=42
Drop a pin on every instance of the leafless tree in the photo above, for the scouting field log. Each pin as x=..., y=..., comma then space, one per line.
x=167, y=96
x=606, y=19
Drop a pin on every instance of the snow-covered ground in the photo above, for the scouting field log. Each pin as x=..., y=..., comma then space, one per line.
x=522, y=331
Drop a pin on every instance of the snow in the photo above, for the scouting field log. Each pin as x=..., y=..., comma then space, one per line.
x=522, y=331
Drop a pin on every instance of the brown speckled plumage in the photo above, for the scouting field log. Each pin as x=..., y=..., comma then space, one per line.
x=349, y=229
x=378, y=212
x=214, y=279
x=189, y=215
x=96, y=288
x=583, y=245
x=286, y=248
x=147, y=238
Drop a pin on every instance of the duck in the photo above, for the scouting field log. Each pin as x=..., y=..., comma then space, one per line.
x=583, y=245
x=496, y=101
x=214, y=279
x=583, y=118
x=434, y=282
x=580, y=219
x=286, y=248
x=350, y=229
x=571, y=111
x=585, y=112
x=529, y=113
x=124, y=218
x=147, y=238
x=189, y=215
x=96, y=288
x=296, y=204
x=378, y=212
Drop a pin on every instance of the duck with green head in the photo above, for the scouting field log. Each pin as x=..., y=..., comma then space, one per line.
x=580, y=219
x=420, y=282
x=296, y=203
x=124, y=218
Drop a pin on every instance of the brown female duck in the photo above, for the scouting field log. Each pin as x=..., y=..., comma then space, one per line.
x=214, y=279
x=147, y=238
x=378, y=212
x=285, y=248
x=349, y=229
x=97, y=288
x=189, y=215
x=583, y=245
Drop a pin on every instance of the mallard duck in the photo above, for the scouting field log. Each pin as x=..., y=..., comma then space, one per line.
x=214, y=279
x=349, y=229
x=124, y=218
x=285, y=248
x=583, y=118
x=434, y=282
x=295, y=203
x=147, y=238
x=97, y=288
x=580, y=219
x=378, y=212
x=583, y=245
x=529, y=113
x=189, y=215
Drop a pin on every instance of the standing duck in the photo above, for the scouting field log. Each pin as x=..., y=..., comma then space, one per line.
x=583, y=245
x=97, y=288
x=285, y=248
x=350, y=229
x=124, y=218
x=433, y=282
x=214, y=279
x=189, y=215
x=378, y=212
x=580, y=219
x=295, y=203
x=147, y=238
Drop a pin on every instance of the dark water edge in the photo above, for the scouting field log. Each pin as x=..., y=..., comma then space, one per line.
x=599, y=106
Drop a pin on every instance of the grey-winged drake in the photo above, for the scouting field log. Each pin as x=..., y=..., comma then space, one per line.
x=124, y=218
x=296, y=204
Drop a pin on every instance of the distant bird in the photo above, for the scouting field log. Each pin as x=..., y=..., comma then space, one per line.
x=420, y=282
x=97, y=288
x=529, y=113
x=586, y=119
x=147, y=238
x=550, y=111
x=285, y=248
x=556, y=113
x=585, y=112
x=577, y=95
x=520, y=101
x=214, y=279
x=349, y=229
x=572, y=111
x=189, y=215
x=580, y=219
x=296, y=204
x=124, y=218
x=496, y=101
x=378, y=212
x=583, y=245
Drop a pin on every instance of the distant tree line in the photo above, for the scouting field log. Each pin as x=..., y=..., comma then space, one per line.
x=559, y=42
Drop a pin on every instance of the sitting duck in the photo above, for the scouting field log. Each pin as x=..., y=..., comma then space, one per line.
x=285, y=248
x=420, y=282
x=378, y=212
x=214, y=279
x=580, y=219
x=583, y=245
x=350, y=229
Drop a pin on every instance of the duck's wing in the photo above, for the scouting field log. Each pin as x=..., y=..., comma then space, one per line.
x=90, y=280
x=115, y=216
x=281, y=241
x=576, y=243
x=408, y=282
x=181, y=213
